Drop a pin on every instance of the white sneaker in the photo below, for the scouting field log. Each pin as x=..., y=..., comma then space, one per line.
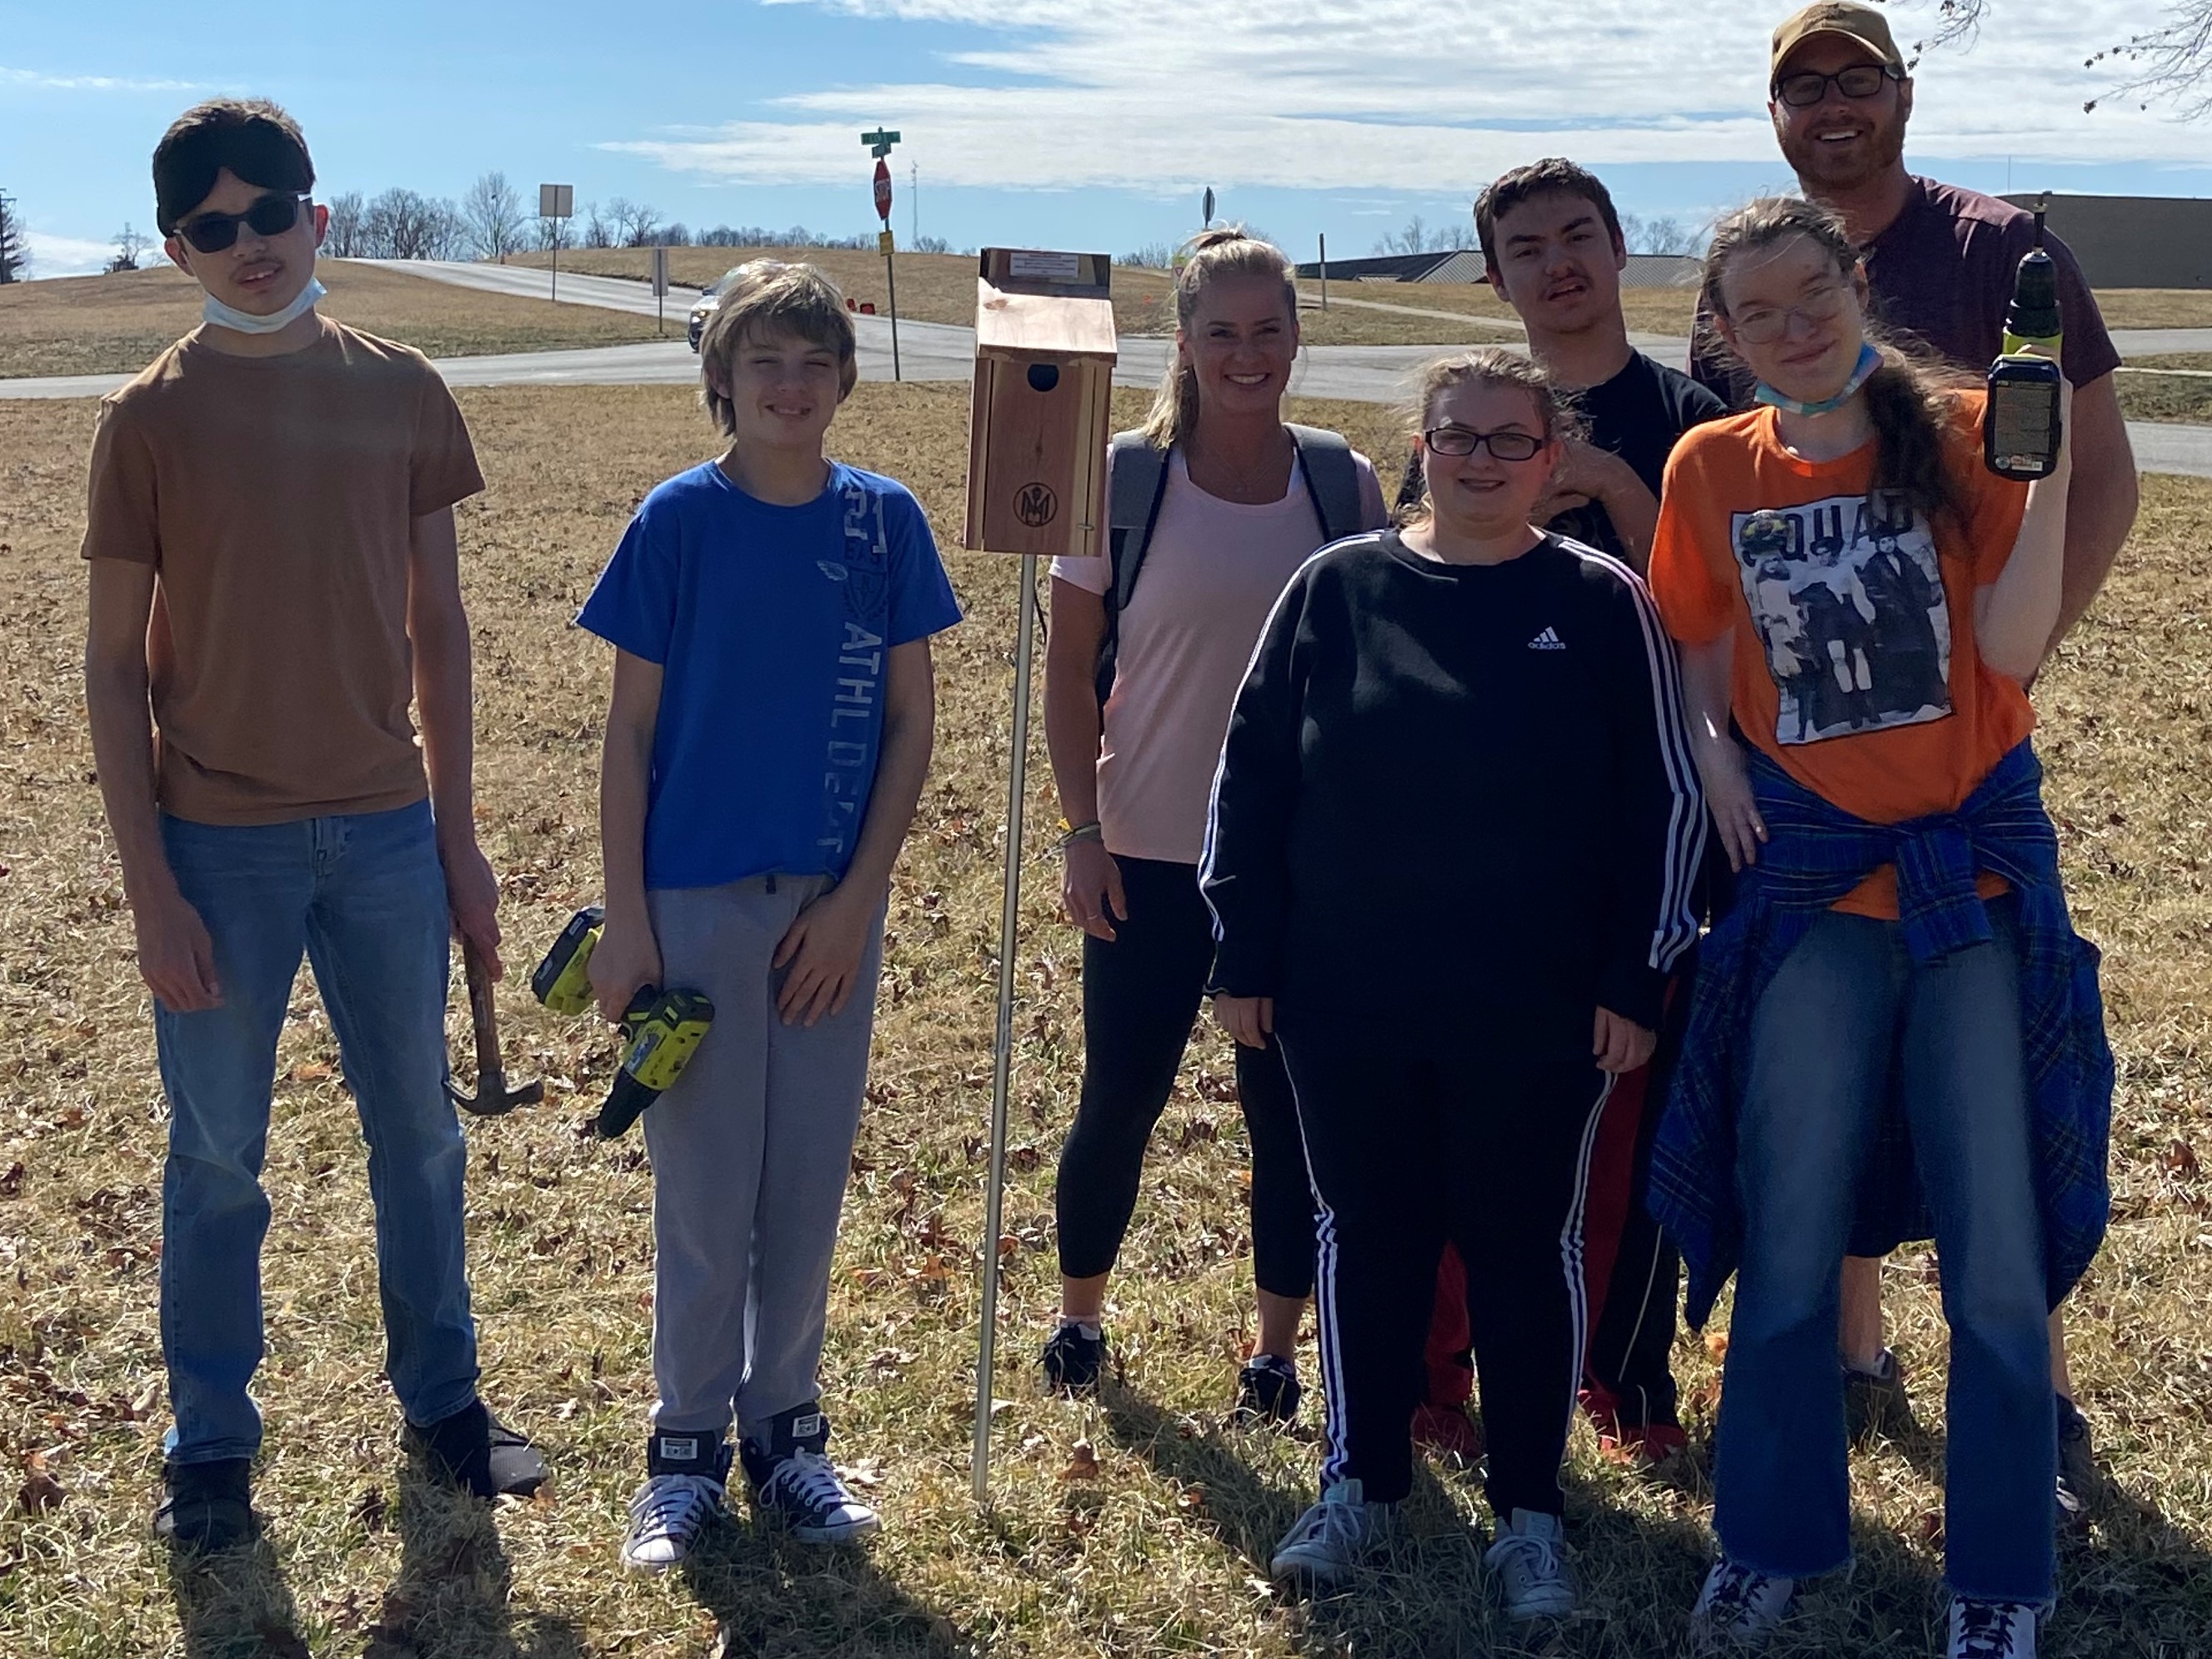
x=1991, y=1630
x=666, y=1519
x=1327, y=1542
x=1528, y=1560
x=1738, y=1608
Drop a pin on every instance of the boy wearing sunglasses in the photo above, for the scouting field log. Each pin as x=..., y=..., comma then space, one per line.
x=273, y=580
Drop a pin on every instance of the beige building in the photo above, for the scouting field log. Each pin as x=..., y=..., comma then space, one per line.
x=2134, y=241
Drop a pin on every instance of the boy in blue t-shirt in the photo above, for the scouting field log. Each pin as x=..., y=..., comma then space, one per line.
x=769, y=736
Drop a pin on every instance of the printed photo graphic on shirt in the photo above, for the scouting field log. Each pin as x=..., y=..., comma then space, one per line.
x=1848, y=598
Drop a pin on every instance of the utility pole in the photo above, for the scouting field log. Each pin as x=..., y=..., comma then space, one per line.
x=913, y=203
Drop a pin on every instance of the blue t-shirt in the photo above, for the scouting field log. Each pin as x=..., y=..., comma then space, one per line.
x=771, y=625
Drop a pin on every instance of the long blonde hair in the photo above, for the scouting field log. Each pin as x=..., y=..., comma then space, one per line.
x=1228, y=251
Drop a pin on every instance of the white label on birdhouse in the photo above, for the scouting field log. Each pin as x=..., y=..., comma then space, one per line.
x=1045, y=267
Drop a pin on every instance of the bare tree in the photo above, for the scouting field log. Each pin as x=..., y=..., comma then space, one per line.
x=15, y=257
x=129, y=245
x=493, y=212
x=633, y=222
x=599, y=230
x=404, y=224
x=344, y=241
x=2173, y=62
x=1418, y=238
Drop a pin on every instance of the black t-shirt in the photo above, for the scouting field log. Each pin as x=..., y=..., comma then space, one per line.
x=1638, y=415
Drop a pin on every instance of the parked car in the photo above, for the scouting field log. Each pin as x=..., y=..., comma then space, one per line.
x=702, y=309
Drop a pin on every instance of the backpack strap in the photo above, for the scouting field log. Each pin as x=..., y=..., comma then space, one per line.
x=1137, y=475
x=1332, y=480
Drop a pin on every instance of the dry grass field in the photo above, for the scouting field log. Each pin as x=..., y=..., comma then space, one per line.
x=1138, y=1525
x=2184, y=398
x=116, y=325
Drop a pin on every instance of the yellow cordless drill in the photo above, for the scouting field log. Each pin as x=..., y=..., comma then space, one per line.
x=661, y=1028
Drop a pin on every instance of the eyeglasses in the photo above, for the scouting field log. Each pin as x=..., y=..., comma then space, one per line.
x=1807, y=88
x=1507, y=446
x=270, y=215
x=1768, y=323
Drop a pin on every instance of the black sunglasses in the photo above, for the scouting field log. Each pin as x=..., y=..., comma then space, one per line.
x=1464, y=440
x=270, y=215
x=1808, y=87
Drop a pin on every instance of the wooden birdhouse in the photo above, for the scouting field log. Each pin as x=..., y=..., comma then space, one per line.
x=1039, y=424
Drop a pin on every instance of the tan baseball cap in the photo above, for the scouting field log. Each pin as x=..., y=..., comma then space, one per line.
x=1864, y=24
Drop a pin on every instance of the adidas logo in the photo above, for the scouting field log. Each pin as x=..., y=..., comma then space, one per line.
x=1549, y=640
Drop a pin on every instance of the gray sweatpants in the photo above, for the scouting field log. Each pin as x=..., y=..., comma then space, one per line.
x=750, y=1151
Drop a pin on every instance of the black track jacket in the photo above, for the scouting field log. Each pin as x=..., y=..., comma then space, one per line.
x=1456, y=790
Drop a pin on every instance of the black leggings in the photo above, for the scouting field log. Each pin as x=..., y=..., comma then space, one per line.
x=1140, y=995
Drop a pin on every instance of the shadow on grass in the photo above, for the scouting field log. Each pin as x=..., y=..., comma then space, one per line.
x=769, y=1594
x=2137, y=1587
x=454, y=1592
x=235, y=1605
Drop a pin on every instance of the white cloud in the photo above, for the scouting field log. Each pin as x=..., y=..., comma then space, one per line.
x=1399, y=94
x=19, y=77
x=67, y=256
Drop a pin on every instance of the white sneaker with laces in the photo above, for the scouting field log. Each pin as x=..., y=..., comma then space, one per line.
x=1991, y=1630
x=666, y=1519
x=806, y=1489
x=1326, y=1544
x=1738, y=1608
x=1528, y=1560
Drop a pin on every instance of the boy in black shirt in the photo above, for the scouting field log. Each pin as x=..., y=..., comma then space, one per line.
x=1551, y=247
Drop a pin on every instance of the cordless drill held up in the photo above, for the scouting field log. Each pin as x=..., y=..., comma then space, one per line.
x=2024, y=427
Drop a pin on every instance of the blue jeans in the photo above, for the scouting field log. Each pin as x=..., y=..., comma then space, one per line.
x=364, y=898
x=1848, y=1005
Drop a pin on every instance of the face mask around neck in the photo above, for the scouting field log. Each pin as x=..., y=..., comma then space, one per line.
x=1869, y=361
x=224, y=316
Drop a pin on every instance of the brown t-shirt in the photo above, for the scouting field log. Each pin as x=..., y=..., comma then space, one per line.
x=274, y=496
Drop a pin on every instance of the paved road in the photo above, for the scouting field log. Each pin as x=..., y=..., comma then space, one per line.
x=938, y=351
x=528, y=282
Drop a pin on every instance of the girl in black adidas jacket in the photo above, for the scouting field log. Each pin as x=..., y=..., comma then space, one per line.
x=1449, y=862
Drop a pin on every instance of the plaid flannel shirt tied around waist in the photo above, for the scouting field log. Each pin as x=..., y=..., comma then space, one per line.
x=1816, y=854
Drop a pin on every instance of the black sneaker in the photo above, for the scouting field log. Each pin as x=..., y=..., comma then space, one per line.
x=792, y=1480
x=1875, y=1403
x=1267, y=1391
x=1074, y=1360
x=479, y=1454
x=2077, y=1468
x=206, y=1506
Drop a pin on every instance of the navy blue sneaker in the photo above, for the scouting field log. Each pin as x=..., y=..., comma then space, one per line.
x=793, y=1480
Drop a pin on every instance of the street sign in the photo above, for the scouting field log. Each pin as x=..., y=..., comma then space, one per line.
x=884, y=243
x=884, y=191
x=1207, y=222
x=556, y=201
x=660, y=273
x=879, y=142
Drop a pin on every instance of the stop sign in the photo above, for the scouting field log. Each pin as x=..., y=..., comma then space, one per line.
x=883, y=190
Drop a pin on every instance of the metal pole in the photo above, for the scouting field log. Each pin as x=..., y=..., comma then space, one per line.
x=1324, y=273
x=556, y=262
x=891, y=276
x=1009, y=919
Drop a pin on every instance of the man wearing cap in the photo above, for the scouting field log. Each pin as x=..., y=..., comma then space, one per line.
x=1940, y=261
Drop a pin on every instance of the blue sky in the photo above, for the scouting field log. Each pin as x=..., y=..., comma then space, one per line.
x=1090, y=124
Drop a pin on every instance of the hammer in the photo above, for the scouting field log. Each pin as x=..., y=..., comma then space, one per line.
x=493, y=1098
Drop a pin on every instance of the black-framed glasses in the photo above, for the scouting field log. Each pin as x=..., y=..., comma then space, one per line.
x=270, y=215
x=1808, y=87
x=1506, y=445
x=1765, y=324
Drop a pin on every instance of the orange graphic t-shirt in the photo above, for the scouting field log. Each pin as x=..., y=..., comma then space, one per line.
x=1856, y=669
